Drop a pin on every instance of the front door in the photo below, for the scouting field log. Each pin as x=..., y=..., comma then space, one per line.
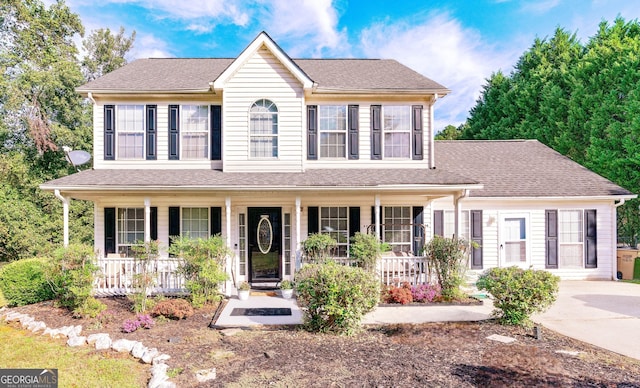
x=265, y=242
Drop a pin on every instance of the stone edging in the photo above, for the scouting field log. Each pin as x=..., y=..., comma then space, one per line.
x=101, y=341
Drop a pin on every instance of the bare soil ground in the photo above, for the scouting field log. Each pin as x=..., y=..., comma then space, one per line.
x=433, y=354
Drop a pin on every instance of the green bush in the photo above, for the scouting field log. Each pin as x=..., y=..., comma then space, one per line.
x=25, y=282
x=317, y=247
x=366, y=250
x=3, y=301
x=518, y=293
x=447, y=258
x=145, y=255
x=71, y=274
x=334, y=297
x=203, y=266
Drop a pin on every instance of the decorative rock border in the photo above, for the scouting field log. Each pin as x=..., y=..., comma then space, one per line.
x=101, y=341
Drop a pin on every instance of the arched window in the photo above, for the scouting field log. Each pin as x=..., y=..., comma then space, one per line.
x=263, y=129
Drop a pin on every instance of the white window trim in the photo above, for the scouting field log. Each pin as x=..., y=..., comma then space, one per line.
x=119, y=131
x=345, y=132
x=501, y=232
x=183, y=131
x=582, y=243
x=208, y=209
x=384, y=132
x=276, y=135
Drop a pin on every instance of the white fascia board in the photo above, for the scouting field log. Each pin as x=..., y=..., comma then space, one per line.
x=104, y=92
x=378, y=92
x=262, y=39
x=396, y=188
x=556, y=198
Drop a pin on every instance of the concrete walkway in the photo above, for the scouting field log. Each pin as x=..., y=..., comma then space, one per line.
x=602, y=313
x=381, y=315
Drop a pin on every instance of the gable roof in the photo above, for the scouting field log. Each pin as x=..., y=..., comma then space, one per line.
x=521, y=168
x=180, y=75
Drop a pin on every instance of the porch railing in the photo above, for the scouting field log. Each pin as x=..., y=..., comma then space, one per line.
x=117, y=276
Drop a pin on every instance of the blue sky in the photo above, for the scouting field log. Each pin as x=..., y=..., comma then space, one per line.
x=457, y=43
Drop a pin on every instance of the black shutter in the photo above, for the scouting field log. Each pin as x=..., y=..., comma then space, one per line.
x=109, y=230
x=353, y=144
x=476, y=237
x=216, y=220
x=313, y=220
x=152, y=132
x=354, y=221
x=376, y=132
x=109, y=133
x=154, y=223
x=417, y=132
x=438, y=223
x=216, y=132
x=312, y=132
x=174, y=132
x=174, y=223
x=551, y=239
x=590, y=238
x=418, y=230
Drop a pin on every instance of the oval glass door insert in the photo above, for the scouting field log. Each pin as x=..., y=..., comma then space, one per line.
x=265, y=234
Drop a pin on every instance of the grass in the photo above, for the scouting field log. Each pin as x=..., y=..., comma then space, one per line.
x=635, y=281
x=77, y=367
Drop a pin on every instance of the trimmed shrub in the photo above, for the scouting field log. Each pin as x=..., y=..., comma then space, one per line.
x=317, y=248
x=71, y=274
x=334, y=297
x=518, y=293
x=366, y=249
x=25, y=282
x=203, y=266
x=447, y=258
x=172, y=309
x=394, y=294
x=426, y=293
x=90, y=308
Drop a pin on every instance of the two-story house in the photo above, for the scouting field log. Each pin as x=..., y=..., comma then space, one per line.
x=265, y=149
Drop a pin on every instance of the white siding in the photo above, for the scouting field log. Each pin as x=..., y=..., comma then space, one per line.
x=262, y=76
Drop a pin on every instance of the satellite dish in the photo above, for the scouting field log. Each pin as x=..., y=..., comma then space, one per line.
x=78, y=157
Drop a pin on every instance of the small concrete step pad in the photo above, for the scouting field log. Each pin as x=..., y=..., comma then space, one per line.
x=501, y=338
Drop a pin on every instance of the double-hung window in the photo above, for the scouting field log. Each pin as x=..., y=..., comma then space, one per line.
x=397, y=131
x=570, y=239
x=194, y=131
x=332, y=123
x=396, y=228
x=130, y=131
x=195, y=222
x=263, y=129
x=334, y=221
x=130, y=229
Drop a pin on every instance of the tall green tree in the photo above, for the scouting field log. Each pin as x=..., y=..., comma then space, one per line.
x=105, y=52
x=580, y=99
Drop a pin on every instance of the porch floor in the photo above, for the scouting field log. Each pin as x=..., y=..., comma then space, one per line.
x=381, y=315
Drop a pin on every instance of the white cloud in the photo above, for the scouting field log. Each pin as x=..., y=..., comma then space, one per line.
x=309, y=26
x=149, y=46
x=442, y=49
x=540, y=6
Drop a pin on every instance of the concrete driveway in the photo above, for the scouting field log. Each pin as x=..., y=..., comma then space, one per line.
x=602, y=313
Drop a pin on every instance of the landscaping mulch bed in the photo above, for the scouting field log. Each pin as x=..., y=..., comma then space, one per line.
x=432, y=354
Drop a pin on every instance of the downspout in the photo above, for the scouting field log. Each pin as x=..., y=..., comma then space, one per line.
x=614, y=232
x=65, y=212
x=458, y=212
x=90, y=95
x=432, y=146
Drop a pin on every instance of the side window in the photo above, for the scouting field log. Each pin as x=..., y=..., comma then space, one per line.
x=333, y=131
x=334, y=221
x=263, y=129
x=195, y=222
x=130, y=226
x=130, y=132
x=397, y=131
x=396, y=228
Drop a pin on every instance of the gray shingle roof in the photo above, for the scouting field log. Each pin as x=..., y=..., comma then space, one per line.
x=176, y=74
x=521, y=168
x=331, y=178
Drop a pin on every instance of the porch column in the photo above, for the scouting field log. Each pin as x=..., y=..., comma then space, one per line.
x=230, y=262
x=147, y=220
x=65, y=217
x=298, y=228
x=377, y=215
